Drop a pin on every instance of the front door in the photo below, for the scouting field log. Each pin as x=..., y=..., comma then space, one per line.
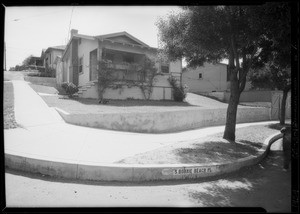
x=93, y=65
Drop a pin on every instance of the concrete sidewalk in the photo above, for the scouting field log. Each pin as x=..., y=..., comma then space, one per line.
x=48, y=145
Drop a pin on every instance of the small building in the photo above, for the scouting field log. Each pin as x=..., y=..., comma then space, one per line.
x=50, y=55
x=208, y=78
x=80, y=65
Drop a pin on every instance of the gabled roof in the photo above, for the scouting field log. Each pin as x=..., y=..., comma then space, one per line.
x=104, y=37
x=84, y=36
x=59, y=47
x=124, y=33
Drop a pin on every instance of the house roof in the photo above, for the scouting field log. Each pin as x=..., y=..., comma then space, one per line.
x=124, y=33
x=106, y=37
x=59, y=47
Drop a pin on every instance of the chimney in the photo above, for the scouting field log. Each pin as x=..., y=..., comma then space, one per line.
x=73, y=32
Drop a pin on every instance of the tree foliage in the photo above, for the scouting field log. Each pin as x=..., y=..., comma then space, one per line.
x=271, y=77
x=28, y=60
x=242, y=34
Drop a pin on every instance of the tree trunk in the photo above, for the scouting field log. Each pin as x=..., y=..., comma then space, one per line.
x=229, y=133
x=283, y=104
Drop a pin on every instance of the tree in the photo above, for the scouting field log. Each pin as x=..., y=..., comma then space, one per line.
x=211, y=33
x=28, y=60
x=277, y=72
x=273, y=77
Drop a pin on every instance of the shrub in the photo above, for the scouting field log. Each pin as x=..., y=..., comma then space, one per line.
x=179, y=92
x=70, y=88
x=49, y=72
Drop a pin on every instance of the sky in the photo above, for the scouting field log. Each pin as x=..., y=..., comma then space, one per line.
x=28, y=30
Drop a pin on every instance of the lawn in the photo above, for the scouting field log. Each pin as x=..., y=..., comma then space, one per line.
x=211, y=149
x=85, y=105
x=8, y=106
x=44, y=89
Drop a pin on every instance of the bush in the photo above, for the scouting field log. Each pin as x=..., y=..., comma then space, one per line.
x=179, y=92
x=70, y=88
x=49, y=72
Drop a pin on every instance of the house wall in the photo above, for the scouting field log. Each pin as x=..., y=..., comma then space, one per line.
x=214, y=78
x=84, y=49
x=51, y=56
x=59, y=72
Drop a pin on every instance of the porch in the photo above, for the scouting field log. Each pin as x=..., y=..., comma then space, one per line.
x=123, y=65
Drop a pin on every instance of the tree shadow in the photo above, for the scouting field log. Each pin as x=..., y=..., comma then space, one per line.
x=263, y=185
x=216, y=151
x=278, y=126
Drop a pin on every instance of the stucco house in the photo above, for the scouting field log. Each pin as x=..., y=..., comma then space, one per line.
x=80, y=65
x=208, y=78
x=50, y=55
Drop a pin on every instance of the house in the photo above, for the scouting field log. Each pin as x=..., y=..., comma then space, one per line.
x=208, y=78
x=50, y=55
x=80, y=65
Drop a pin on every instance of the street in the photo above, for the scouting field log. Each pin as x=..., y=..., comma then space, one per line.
x=264, y=185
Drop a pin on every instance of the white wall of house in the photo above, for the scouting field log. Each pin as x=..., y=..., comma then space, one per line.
x=84, y=49
x=176, y=66
x=59, y=72
x=214, y=78
x=51, y=56
x=66, y=67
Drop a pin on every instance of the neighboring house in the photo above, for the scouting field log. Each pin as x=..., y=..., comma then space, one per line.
x=208, y=78
x=80, y=65
x=38, y=61
x=50, y=55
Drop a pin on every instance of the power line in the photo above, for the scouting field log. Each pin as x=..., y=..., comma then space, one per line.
x=28, y=17
x=70, y=22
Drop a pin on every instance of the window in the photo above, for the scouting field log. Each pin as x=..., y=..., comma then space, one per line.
x=200, y=76
x=80, y=64
x=128, y=58
x=165, y=69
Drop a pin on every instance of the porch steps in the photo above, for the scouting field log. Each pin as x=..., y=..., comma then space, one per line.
x=86, y=87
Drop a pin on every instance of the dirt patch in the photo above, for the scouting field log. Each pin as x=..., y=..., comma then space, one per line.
x=8, y=106
x=211, y=149
x=278, y=126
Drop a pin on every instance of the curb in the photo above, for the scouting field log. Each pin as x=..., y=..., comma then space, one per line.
x=132, y=172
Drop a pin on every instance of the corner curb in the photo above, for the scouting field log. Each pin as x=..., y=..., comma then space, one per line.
x=132, y=172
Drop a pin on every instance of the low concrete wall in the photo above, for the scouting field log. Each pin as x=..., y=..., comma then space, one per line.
x=167, y=121
x=246, y=96
x=47, y=81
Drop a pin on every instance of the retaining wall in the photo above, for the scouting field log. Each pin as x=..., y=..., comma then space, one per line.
x=47, y=81
x=167, y=121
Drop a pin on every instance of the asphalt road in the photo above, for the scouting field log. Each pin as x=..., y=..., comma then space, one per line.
x=264, y=185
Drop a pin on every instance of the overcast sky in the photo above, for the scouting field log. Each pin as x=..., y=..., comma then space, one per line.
x=28, y=30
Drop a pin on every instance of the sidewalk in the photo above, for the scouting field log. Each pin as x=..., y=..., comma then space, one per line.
x=48, y=145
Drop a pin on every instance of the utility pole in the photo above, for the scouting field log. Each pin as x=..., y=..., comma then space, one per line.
x=4, y=56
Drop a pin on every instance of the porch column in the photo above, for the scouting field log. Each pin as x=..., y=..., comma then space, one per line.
x=74, y=62
x=99, y=55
